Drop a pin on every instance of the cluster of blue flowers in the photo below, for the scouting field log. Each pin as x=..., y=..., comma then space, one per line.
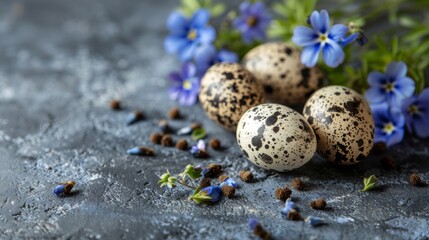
x=394, y=106
x=192, y=40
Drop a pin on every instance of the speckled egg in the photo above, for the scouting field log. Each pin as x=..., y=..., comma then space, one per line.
x=276, y=137
x=227, y=91
x=278, y=67
x=343, y=123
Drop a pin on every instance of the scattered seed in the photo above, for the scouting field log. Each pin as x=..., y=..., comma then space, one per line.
x=213, y=170
x=195, y=126
x=182, y=144
x=141, y=151
x=156, y=137
x=280, y=194
x=205, y=182
x=379, y=148
x=318, y=204
x=63, y=188
x=163, y=126
x=167, y=141
x=415, y=180
x=228, y=191
x=115, y=104
x=257, y=229
x=222, y=178
x=174, y=113
x=134, y=117
x=298, y=184
x=388, y=163
x=215, y=144
x=246, y=176
x=293, y=215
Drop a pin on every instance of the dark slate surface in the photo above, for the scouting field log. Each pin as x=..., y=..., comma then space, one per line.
x=60, y=64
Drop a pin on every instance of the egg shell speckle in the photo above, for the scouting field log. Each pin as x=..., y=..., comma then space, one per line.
x=276, y=137
x=227, y=91
x=278, y=67
x=343, y=124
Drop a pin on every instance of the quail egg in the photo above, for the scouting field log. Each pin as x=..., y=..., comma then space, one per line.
x=343, y=124
x=276, y=137
x=227, y=91
x=278, y=67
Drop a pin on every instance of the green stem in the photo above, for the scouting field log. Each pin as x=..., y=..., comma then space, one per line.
x=183, y=183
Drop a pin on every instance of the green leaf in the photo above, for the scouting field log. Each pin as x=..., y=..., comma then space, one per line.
x=198, y=133
x=369, y=183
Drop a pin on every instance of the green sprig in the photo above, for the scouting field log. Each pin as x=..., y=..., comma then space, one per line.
x=369, y=183
x=188, y=7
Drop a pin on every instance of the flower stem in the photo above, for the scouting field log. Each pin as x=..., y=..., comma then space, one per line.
x=183, y=183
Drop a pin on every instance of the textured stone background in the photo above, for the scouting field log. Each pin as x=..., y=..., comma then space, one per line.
x=62, y=61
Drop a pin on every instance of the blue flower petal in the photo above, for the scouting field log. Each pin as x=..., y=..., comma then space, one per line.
x=424, y=97
x=395, y=137
x=304, y=36
x=207, y=35
x=380, y=136
x=338, y=31
x=175, y=77
x=406, y=86
x=316, y=22
x=200, y=18
x=227, y=56
x=324, y=21
x=245, y=7
x=257, y=8
x=396, y=117
x=188, y=70
x=349, y=39
x=177, y=23
x=376, y=79
x=204, y=57
x=310, y=55
x=188, y=99
x=173, y=44
x=333, y=54
x=375, y=95
x=421, y=126
x=187, y=52
x=396, y=69
x=408, y=117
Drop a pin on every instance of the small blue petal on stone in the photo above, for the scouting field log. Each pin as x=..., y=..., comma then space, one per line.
x=134, y=151
x=58, y=190
x=315, y=221
x=252, y=223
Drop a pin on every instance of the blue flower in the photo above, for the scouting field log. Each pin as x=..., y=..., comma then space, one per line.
x=389, y=124
x=185, y=85
x=392, y=87
x=187, y=34
x=252, y=22
x=210, y=194
x=206, y=56
x=323, y=39
x=416, y=112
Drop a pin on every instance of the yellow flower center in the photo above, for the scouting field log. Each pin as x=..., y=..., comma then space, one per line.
x=187, y=85
x=251, y=21
x=389, y=87
x=388, y=128
x=192, y=34
x=413, y=109
x=323, y=37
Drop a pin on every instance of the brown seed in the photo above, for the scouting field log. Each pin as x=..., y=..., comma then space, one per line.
x=213, y=170
x=287, y=191
x=174, y=113
x=144, y=151
x=318, y=204
x=182, y=144
x=246, y=176
x=261, y=233
x=388, y=163
x=228, y=191
x=379, y=148
x=167, y=141
x=281, y=194
x=163, y=126
x=205, y=182
x=298, y=184
x=115, y=104
x=195, y=126
x=415, y=180
x=222, y=178
x=138, y=115
x=294, y=215
x=156, y=137
x=215, y=144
